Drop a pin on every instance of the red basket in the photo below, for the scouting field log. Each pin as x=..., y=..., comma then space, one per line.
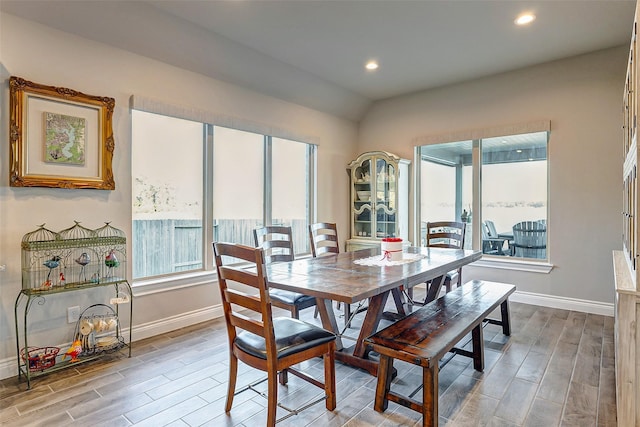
x=40, y=358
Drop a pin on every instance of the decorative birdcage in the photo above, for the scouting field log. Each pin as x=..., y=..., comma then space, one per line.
x=74, y=257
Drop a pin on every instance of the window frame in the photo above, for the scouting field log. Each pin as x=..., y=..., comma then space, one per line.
x=520, y=264
x=209, y=120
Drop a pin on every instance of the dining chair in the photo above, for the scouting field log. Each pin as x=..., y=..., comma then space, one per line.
x=269, y=344
x=442, y=234
x=323, y=237
x=530, y=239
x=277, y=243
x=447, y=234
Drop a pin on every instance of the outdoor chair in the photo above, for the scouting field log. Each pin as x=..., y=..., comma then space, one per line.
x=530, y=239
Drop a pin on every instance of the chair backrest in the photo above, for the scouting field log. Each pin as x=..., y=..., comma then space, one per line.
x=236, y=303
x=445, y=234
x=323, y=237
x=530, y=239
x=491, y=229
x=277, y=242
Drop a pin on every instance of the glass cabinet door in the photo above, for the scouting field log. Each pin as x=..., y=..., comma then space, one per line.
x=385, y=204
x=362, y=195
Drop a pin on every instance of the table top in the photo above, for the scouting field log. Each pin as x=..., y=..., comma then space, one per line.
x=338, y=278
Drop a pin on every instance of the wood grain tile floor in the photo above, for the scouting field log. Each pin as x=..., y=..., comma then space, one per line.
x=557, y=369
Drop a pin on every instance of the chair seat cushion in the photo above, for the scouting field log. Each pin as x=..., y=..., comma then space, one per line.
x=292, y=336
x=289, y=297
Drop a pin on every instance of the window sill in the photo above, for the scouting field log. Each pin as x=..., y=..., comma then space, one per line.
x=169, y=283
x=514, y=264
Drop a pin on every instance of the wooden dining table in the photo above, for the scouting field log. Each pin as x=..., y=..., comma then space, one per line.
x=342, y=277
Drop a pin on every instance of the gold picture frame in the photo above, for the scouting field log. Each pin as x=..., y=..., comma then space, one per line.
x=59, y=137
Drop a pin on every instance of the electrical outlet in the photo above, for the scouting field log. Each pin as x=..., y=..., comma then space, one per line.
x=73, y=313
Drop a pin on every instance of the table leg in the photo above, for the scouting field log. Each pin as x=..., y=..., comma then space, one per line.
x=399, y=301
x=434, y=289
x=328, y=318
x=370, y=323
x=506, y=319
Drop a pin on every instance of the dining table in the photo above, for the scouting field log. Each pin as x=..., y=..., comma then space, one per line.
x=366, y=274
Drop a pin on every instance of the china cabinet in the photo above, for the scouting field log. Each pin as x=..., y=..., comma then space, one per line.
x=379, y=199
x=627, y=296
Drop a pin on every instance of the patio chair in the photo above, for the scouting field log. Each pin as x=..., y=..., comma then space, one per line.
x=530, y=239
x=493, y=242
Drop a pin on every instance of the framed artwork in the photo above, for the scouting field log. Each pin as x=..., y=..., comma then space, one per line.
x=59, y=137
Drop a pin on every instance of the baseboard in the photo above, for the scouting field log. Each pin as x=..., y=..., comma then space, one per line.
x=552, y=301
x=147, y=330
x=8, y=366
x=151, y=329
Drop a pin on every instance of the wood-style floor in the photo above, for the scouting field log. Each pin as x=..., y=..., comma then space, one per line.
x=557, y=369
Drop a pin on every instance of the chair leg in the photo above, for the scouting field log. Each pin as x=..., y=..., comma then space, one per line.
x=284, y=377
x=272, y=397
x=233, y=373
x=330, y=378
x=447, y=285
x=295, y=313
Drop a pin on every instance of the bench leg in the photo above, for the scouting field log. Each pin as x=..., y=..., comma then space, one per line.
x=385, y=371
x=506, y=320
x=430, y=396
x=478, y=348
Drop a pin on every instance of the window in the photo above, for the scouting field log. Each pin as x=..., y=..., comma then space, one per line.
x=509, y=202
x=166, y=170
x=196, y=183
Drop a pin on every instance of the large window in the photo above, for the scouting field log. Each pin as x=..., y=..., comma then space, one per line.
x=167, y=188
x=196, y=183
x=497, y=185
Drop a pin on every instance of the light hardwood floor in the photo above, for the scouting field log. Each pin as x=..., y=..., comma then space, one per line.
x=557, y=369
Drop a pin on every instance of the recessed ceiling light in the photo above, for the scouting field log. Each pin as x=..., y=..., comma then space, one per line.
x=525, y=19
x=371, y=65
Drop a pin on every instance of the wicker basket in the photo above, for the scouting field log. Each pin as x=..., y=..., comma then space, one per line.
x=39, y=358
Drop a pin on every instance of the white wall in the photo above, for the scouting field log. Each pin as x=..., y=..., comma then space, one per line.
x=581, y=97
x=47, y=56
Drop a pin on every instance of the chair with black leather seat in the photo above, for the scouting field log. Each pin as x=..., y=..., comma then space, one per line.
x=277, y=242
x=323, y=237
x=443, y=234
x=269, y=344
x=447, y=234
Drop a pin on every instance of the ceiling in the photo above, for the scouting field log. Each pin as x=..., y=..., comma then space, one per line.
x=312, y=52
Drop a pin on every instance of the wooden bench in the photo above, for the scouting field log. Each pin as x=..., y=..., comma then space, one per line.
x=426, y=335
